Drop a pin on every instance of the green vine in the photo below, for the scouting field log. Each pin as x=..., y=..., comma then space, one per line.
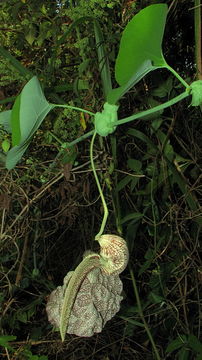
x=106, y=212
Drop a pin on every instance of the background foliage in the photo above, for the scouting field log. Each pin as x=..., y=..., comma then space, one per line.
x=150, y=172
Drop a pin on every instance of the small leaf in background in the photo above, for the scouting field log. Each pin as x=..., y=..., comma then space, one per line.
x=132, y=216
x=4, y=341
x=134, y=165
x=35, y=273
x=184, y=354
x=30, y=36
x=149, y=256
x=15, y=63
x=151, y=103
x=5, y=145
x=195, y=344
x=45, y=32
x=176, y=344
x=83, y=121
x=83, y=66
x=22, y=316
x=43, y=9
x=68, y=155
x=155, y=299
x=141, y=41
x=164, y=89
x=123, y=182
x=156, y=123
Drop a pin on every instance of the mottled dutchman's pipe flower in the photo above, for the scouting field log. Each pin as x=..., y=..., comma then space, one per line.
x=90, y=295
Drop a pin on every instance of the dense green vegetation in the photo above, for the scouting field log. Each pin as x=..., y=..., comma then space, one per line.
x=149, y=170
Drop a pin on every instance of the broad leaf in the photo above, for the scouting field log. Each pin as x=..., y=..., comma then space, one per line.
x=15, y=154
x=115, y=94
x=15, y=122
x=141, y=41
x=28, y=112
x=32, y=110
x=102, y=59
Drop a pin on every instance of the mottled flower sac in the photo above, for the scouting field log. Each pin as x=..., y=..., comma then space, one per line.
x=97, y=301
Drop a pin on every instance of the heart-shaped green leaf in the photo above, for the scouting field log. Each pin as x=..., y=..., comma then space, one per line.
x=28, y=112
x=141, y=41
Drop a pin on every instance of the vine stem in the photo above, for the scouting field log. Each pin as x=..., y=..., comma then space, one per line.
x=142, y=315
x=154, y=109
x=74, y=108
x=106, y=212
x=183, y=82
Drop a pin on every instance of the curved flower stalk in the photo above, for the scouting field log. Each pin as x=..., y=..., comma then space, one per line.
x=90, y=295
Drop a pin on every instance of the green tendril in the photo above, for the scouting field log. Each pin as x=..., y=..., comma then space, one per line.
x=74, y=108
x=106, y=212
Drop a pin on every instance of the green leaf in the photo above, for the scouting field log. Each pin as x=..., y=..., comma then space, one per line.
x=17, y=65
x=149, y=256
x=33, y=108
x=69, y=157
x=15, y=122
x=134, y=322
x=28, y=112
x=141, y=136
x=134, y=165
x=152, y=103
x=71, y=27
x=190, y=198
x=5, y=145
x=176, y=344
x=156, y=299
x=141, y=41
x=156, y=123
x=196, y=91
x=184, y=354
x=123, y=182
x=103, y=60
x=115, y=94
x=133, y=184
x=15, y=154
x=22, y=316
x=132, y=216
x=164, y=89
x=30, y=36
x=44, y=32
x=4, y=341
x=194, y=343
